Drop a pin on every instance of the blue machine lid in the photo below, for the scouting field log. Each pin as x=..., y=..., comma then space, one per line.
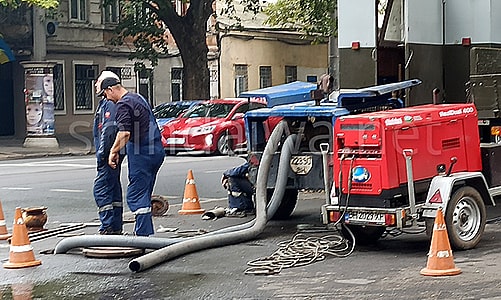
x=288, y=93
x=303, y=109
x=344, y=103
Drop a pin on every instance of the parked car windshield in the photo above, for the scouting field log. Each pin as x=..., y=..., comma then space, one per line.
x=169, y=111
x=210, y=110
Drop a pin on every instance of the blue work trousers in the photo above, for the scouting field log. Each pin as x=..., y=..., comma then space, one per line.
x=143, y=169
x=108, y=197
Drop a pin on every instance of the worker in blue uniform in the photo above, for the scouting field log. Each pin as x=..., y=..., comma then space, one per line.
x=138, y=132
x=107, y=186
x=240, y=190
x=395, y=101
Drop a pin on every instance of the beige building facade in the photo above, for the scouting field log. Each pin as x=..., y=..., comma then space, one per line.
x=75, y=40
x=258, y=58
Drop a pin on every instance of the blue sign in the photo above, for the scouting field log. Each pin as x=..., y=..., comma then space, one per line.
x=360, y=174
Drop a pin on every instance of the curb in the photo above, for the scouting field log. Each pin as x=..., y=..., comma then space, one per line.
x=13, y=155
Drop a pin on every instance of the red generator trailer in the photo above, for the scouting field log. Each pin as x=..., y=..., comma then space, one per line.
x=393, y=169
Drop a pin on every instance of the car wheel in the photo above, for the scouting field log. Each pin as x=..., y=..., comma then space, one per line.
x=223, y=144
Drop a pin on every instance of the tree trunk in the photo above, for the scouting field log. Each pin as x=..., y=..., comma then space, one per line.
x=195, y=70
x=189, y=32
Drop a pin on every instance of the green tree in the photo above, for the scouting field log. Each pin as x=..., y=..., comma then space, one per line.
x=42, y=3
x=144, y=24
x=312, y=17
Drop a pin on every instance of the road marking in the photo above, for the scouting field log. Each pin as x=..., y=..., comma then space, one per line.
x=17, y=188
x=67, y=191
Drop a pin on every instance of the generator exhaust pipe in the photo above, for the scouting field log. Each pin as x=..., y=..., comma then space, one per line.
x=210, y=241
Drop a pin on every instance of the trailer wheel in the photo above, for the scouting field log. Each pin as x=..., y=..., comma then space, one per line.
x=287, y=205
x=465, y=218
x=364, y=235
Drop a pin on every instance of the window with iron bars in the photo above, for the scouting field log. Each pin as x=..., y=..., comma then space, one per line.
x=264, y=76
x=176, y=81
x=290, y=73
x=58, y=88
x=241, y=79
x=84, y=89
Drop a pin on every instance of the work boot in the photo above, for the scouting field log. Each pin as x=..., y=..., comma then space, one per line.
x=109, y=231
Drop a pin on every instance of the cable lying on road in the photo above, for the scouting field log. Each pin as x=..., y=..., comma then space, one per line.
x=301, y=251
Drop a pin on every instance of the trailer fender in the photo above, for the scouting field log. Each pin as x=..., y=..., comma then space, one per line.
x=442, y=187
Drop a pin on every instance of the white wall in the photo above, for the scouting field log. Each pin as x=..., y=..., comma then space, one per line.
x=495, y=10
x=423, y=21
x=478, y=19
x=356, y=22
x=468, y=18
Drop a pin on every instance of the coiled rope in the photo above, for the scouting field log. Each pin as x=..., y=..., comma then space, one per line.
x=300, y=251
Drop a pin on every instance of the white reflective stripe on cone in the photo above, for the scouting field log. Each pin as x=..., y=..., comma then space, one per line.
x=18, y=249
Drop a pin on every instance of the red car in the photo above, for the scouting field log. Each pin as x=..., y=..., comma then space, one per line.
x=213, y=126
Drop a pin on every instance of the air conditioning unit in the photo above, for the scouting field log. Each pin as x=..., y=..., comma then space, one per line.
x=51, y=28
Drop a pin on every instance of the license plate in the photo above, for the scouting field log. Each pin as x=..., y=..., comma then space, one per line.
x=175, y=141
x=301, y=164
x=365, y=217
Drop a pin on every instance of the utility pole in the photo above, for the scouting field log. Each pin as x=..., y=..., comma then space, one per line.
x=334, y=55
x=39, y=36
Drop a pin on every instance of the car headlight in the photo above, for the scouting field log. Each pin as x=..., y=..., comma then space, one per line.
x=208, y=140
x=203, y=130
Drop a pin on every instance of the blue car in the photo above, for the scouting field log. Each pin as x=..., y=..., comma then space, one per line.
x=170, y=110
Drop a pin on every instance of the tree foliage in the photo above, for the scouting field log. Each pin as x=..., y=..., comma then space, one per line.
x=42, y=3
x=312, y=17
x=143, y=25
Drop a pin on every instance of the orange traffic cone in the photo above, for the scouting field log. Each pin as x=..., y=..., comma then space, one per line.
x=440, y=259
x=4, y=234
x=21, y=252
x=191, y=203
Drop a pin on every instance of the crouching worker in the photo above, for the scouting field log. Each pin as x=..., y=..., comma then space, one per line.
x=240, y=191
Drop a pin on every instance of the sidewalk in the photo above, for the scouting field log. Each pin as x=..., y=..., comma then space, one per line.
x=12, y=148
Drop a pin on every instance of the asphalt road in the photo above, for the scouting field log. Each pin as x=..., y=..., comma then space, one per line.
x=388, y=269
x=64, y=184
